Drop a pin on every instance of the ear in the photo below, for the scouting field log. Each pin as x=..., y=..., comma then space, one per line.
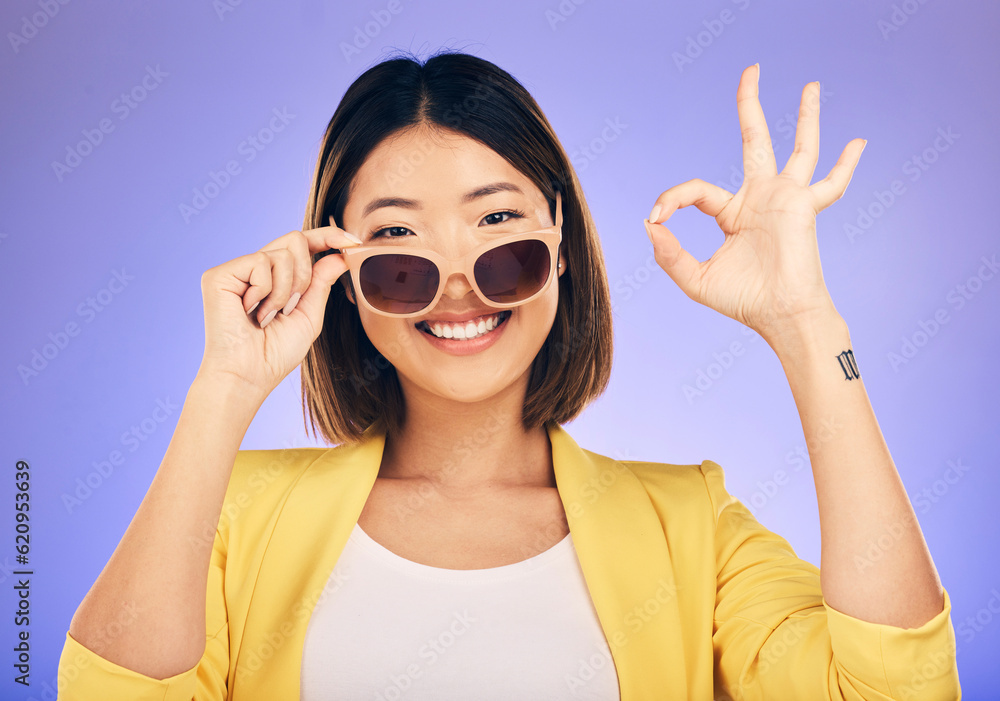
x=562, y=265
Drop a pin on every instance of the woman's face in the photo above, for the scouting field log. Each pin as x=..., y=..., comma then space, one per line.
x=439, y=172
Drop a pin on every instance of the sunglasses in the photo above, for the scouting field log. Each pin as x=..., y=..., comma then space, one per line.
x=404, y=281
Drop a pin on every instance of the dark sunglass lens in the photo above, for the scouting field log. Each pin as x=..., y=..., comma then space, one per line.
x=399, y=284
x=513, y=272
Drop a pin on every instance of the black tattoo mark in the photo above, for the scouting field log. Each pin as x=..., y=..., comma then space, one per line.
x=848, y=365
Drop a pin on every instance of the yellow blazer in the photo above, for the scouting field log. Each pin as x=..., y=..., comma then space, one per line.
x=696, y=598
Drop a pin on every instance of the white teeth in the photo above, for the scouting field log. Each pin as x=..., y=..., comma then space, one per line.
x=467, y=331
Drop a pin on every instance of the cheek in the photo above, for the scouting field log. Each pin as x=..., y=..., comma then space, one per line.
x=538, y=318
x=548, y=305
x=393, y=338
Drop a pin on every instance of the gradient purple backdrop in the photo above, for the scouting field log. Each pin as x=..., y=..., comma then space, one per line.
x=102, y=243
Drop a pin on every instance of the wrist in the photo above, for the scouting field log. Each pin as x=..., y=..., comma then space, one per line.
x=229, y=392
x=823, y=333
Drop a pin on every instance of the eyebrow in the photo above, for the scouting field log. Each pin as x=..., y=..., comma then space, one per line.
x=470, y=196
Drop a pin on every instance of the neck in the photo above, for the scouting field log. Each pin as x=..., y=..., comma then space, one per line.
x=468, y=448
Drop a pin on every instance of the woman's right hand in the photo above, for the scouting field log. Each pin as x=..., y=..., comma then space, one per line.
x=264, y=310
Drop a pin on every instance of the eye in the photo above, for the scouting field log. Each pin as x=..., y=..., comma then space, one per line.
x=514, y=214
x=380, y=233
x=398, y=232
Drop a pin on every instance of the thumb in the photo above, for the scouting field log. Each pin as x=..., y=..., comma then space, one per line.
x=680, y=265
x=325, y=273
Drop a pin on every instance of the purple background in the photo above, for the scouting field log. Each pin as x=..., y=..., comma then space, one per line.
x=216, y=79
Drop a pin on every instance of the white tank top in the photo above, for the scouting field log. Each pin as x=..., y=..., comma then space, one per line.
x=388, y=629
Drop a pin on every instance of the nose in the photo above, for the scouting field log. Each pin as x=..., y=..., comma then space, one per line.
x=457, y=286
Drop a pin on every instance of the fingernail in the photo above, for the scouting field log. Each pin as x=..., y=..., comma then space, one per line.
x=353, y=238
x=267, y=319
x=863, y=145
x=292, y=301
x=654, y=214
x=250, y=310
x=649, y=232
x=758, y=70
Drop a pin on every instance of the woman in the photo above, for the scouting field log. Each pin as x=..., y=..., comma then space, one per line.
x=458, y=543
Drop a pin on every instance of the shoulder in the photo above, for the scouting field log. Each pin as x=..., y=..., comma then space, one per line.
x=269, y=467
x=697, y=485
x=659, y=475
x=261, y=479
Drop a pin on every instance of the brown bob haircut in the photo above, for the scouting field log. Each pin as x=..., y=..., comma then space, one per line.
x=348, y=385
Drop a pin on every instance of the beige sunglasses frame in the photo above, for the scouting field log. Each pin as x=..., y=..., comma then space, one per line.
x=551, y=236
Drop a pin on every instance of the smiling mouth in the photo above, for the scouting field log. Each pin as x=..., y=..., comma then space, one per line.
x=480, y=326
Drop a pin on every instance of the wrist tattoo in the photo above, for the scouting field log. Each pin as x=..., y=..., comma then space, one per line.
x=848, y=365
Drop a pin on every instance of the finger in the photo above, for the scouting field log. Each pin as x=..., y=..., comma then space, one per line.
x=758, y=154
x=325, y=273
x=680, y=265
x=282, y=266
x=258, y=281
x=298, y=246
x=707, y=197
x=356, y=239
x=322, y=238
x=832, y=187
x=802, y=163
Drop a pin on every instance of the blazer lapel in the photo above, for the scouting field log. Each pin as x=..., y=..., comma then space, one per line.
x=616, y=532
x=626, y=563
x=311, y=531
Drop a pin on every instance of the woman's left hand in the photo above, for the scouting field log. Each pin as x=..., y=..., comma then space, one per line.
x=767, y=273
